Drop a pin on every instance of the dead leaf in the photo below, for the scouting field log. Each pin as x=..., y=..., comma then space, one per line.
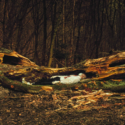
x=54, y=97
x=46, y=88
x=12, y=86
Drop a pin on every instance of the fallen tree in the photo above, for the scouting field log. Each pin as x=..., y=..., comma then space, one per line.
x=99, y=73
x=112, y=66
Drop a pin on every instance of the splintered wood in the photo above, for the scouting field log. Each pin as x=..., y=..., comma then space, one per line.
x=80, y=100
x=10, y=56
x=93, y=97
x=107, y=67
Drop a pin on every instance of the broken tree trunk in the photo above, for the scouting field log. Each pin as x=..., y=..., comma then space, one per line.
x=18, y=86
x=12, y=57
x=112, y=66
x=105, y=68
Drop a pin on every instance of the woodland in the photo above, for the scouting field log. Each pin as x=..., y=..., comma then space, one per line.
x=42, y=38
x=58, y=33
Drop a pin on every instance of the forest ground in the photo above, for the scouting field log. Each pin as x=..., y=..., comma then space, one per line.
x=52, y=108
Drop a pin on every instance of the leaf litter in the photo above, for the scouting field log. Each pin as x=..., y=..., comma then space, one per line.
x=63, y=107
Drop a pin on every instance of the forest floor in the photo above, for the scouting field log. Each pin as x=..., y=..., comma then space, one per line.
x=58, y=107
x=53, y=108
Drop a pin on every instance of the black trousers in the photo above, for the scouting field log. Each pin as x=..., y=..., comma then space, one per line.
x=46, y=81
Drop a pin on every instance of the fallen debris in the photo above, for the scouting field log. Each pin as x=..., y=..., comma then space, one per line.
x=21, y=108
x=84, y=100
x=89, y=98
x=12, y=57
x=96, y=72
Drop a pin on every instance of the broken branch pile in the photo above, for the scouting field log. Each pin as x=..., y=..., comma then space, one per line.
x=89, y=98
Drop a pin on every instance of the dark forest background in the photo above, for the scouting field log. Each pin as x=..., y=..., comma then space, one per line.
x=58, y=33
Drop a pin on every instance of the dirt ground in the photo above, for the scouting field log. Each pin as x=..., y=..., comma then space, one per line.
x=53, y=108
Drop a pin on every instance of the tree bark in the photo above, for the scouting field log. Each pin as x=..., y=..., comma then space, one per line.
x=73, y=30
x=18, y=86
x=79, y=27
x=105, y=73
x=45, y=33
x=54, y=29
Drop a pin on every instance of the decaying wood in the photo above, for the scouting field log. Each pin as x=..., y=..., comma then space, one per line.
x=105, y=68
x=101, y=66
x=112, y=66
x=12, y=57
x=18, y=86
x=93, y=97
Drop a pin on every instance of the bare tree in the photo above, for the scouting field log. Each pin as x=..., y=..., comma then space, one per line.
x=63, y=21
x=20, y=24
x=36, y=15
x=79, y=27
x=13, y=15
x=53, y=33
x=45, y=32
x=73, y=28
x=97, y=16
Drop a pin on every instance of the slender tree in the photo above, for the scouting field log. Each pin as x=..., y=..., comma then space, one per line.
x=73, y=28
x=36, y=20
x=63, y=21
x=79, y=27
x=20, y=24
x=97, y=16
x=53, y=33
x=4, y=23
x=45, y=32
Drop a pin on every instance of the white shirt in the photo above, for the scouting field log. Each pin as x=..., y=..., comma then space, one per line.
x=70, y=79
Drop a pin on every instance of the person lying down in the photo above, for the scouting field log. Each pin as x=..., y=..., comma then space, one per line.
x=67, y=79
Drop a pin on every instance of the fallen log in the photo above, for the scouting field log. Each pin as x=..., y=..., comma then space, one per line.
x=112, y=66
x=18, y=86
x=97, y=70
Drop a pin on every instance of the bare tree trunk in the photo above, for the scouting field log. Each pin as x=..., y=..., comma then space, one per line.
x=63, y=21
x=64, y=50
x=20, y=25
x=45, y=33
x=8, y=24
x=72, y=40
x=11, y=17
x=54, y=29
x=4, y=32
x=36, y=20
x=97, y=16
x=20, y=29
x=79, y=27
x=99, y=28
